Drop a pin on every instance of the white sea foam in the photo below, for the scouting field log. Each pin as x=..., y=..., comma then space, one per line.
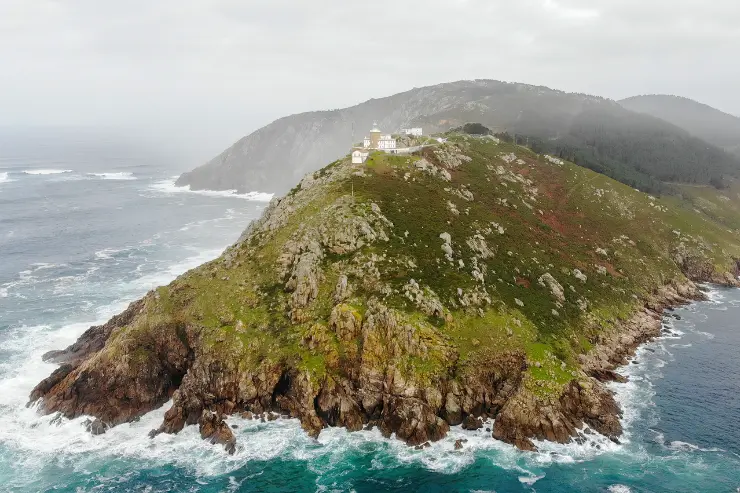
x=46, y=171
x=618, y=488
x=530, y=480
x=714, y=295
x=39, y=439
x=168, y=187
x=690, y=447
x=108, y=253
x=4, y=178
x=114, y=176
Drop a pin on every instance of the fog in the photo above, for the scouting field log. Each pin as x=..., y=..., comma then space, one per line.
x=198, y=74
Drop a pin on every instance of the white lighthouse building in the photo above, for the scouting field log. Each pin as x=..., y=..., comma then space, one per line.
x=378, y=140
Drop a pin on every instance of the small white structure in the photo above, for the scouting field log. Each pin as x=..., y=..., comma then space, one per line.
x=387, y=143
x=416, y=131
x=359, y=156
x=366, y=142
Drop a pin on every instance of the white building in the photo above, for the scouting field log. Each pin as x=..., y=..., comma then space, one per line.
x=387, y=143
x=416, y=131
x=377, y=140
x=359, y=156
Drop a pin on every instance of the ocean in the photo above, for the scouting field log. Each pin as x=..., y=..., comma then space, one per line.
x=89, y=224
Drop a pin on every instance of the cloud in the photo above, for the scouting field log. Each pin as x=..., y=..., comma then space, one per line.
x=213, y=70
x=569, y=12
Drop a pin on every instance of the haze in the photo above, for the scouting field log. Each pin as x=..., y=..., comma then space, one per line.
x=200, y=74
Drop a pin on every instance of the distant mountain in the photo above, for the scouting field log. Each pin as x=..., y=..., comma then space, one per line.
x=703, y=121
x=597, y=133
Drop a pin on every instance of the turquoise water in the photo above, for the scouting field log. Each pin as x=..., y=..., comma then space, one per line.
x=76, y=246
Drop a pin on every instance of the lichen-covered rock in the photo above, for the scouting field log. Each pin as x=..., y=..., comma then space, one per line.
x=556, y=289
x=342, y=290
x=424, y=165
x=478, y=244
x=450, y=156
x=425, y=299
x=345, y=322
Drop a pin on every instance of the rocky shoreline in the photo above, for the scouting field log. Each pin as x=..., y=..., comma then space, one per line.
x=314, y=314
x=518, y=417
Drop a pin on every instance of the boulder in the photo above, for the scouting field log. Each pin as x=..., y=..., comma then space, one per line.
x=213, y=428
x=472, y=423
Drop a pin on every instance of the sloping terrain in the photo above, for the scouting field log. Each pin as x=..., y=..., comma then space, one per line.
x=702, y=121
x=475, y=280
x=597, y=133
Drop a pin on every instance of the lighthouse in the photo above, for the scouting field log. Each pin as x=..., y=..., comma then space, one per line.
x=375, y=134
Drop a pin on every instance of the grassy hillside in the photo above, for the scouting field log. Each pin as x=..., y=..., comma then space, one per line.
x=477, y=279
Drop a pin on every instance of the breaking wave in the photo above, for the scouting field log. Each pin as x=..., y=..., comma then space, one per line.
x=618, y=488
x=123, y=175
x=46, y=171
x=169, y=187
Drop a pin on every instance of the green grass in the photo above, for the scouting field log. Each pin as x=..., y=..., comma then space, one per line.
x=554, y=219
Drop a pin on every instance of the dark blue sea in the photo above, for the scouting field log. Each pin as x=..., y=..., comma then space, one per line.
x=89, y=223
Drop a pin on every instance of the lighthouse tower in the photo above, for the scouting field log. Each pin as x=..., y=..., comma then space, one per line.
x=375, y=136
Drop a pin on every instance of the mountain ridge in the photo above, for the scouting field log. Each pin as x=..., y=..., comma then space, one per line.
x=701, y=120
x=273, y=158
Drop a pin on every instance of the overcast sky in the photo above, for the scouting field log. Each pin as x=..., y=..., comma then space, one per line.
x=209, y=71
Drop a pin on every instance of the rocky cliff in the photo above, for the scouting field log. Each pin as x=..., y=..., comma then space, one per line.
x=474, y=280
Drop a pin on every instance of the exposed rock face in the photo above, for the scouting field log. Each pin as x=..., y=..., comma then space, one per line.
x=93, y=339
x=111, y=388
x=525, y=417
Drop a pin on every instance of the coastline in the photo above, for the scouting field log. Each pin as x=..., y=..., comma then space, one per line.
x=194, y=344
x=282, y=436
x=616, y=347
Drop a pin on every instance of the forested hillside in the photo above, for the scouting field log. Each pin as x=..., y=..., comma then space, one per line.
x=703, y=121
x=639, y=150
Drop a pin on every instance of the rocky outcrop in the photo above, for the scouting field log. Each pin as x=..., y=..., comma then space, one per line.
x=698, y=268
x=548, y=281
x=118, y=385
x=525, y=417
x=94, y=338
x=214, y=429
